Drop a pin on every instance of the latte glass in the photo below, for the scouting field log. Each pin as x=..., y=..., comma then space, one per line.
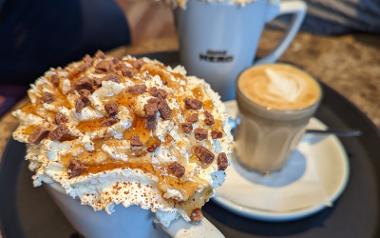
x=266, y=135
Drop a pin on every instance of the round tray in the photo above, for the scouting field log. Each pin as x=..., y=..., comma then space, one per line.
x=29, y=212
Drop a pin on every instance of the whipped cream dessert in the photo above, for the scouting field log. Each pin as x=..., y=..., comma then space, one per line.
x=130, y=131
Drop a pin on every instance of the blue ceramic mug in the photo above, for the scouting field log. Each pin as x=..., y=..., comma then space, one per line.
x=218, y=40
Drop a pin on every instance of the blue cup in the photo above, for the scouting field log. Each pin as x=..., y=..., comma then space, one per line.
x=218, y=40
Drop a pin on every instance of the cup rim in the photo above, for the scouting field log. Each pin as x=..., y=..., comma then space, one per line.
x=266, y=110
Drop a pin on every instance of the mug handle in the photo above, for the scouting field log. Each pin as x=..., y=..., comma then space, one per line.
x=298, y=8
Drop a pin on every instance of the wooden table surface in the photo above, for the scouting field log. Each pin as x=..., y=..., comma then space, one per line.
x=350, y=64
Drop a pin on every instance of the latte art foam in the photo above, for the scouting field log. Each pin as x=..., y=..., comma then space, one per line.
x=279, y=86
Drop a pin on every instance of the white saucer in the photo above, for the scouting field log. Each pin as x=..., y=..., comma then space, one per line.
x=319, y=158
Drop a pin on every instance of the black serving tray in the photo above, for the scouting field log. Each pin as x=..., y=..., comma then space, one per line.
x=29, y=212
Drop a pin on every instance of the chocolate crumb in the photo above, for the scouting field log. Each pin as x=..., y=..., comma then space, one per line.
x=164, y=109
x=176, y=169
x=203, y=154
x=47, y=97
x=137, y=89
x=61, y=133
x=38, y=135
x=151, y=123
x=112, y=109
x=209, y=120
x=60, y=118
x=103, y=66
x=222, y=161
x=75, y=168
x=125, y=70
x=196, y=215
x=151, y=108
x=54, y=79
x=84, y=93
x=100, y=55
x=215, y=134
x=200, y=134
x=84, y=83
x=159, y=93
x=138, y=63
x=111, y=77
x=81, y=103
x=110, y=122
x=192, y=103
x=192, y=118
x=187, y=127
x=153, y=143
x=135, y=141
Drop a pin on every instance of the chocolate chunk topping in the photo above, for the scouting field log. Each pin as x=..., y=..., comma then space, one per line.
x=151, y=123
x=60, y=118
x=75, y=168
x=215, y=134
x=84, y=83
x=125, y=70
x=209, y=120
x=54, y=79
x=47, y=97
x=222, y=161
x=137, y=89
x=176, y=169
x=159, y=93
x=87, y=60
x=81, y=103
x=153, y=143
x=85, y=93
x=151, y=108
x=192, y=103
x=138, y=63
x=103, y=66
x=187, y=127
x=110, y=121
x=100, y=55
x=203, y=154
x=164, y=109
x=111, y=77
x=38, y=135
x=112, y=109
x=200, y=134
x=196, y=215
x=61, y=133
x=192, y=118
x=135, y=142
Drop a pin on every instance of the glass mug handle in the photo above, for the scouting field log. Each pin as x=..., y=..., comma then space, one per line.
x=298, y=9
